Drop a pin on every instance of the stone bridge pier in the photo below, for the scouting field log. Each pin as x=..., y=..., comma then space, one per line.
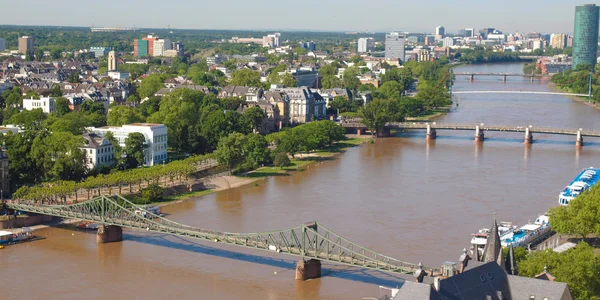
x=308, y=269
x=479, y=135
x=109, y=234
x=528, y=137
x=472, y=77
x=579, y=141
x=431, y=133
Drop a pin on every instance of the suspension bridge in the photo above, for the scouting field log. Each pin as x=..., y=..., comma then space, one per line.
x=312, y=241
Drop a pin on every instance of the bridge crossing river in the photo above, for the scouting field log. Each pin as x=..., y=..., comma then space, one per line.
x=309, y=241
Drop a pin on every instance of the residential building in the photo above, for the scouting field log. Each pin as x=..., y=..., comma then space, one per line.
x=4, y=174
x=441, y=31
x=558, y=41
x=538, y=44
x=112, y=61
x=215, y=60
x=155, y=134
x=26, y=44
x=448, y=42
x=429, y=40
x=44, y=103
x=424, y=55
x=140, y=48
x=151, y=40
x=98, y=151
x=365, y=45
x=233, y=91
x=99, y=51
x=585, y=43
x=2, y=44
x=394, y=46
x=282, y=102
x=160, y=46
x=303, y=104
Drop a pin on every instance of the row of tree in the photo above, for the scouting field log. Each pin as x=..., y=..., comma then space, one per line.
x=60, y=190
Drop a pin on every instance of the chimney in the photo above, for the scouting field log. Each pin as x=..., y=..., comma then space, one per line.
x=436, y=283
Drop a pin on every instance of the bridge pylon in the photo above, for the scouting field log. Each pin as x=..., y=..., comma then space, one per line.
x=431, y=133
x=308, y=269
x=528, y=137
x=479, y=135
x=579, y=141
x=109, y=234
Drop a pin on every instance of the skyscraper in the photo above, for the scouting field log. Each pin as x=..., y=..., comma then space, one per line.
x=365, y=45
x=26, y=44
x=394, y=46
x=112, y=61
x=585, y=43
x=440, y=30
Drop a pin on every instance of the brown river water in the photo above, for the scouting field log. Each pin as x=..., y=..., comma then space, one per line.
x=414, y=200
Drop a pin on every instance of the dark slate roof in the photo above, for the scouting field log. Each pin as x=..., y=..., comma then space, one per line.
x=478, y=283
x=524, y=288
x=416, y=291
x=493, y=247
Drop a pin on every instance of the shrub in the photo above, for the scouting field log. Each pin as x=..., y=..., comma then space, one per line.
x=152, y=193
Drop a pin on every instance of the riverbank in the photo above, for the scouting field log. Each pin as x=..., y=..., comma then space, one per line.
x=299, y=163
x=574, y=98
x=432, y=115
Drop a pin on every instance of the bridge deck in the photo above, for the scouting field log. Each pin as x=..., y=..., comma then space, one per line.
x=506, y=128
x=309, y=241
x=517, y=92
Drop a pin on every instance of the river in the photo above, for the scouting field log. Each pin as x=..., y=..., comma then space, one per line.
x=403, y=196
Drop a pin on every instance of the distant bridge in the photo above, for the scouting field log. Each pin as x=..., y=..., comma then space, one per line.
x=503, y=75
x=517, y=92
x=311, y=241
x=479, y=129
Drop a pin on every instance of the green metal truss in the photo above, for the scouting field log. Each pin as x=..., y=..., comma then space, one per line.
x=309, y=240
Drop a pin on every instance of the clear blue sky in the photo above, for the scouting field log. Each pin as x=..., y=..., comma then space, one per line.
x=328, y=15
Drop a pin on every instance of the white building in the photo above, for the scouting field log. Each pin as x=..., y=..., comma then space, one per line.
x=155, y=134
x=394, y=46
x=45, y=103
x=448, y=42
x=366, y=45
x=441, y=31
x=498, y=37
x=98, y=151
x=2, y=44
x=160, y=46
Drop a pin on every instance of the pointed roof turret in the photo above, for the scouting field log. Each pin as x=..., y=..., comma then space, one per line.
x=511, y=268
x=493, y=247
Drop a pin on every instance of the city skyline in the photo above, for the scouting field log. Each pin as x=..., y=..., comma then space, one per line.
x=335, y=15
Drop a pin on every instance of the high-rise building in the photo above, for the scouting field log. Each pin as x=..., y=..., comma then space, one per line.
x=558, y=40
x=112, y=61
x=140, y=48
x=440, y=30
x=469, y=32
x=2, y=45
x=366, y=45
x=570, y=41
x=394, y=46
x=585, y=43
x=484, y=32
x=26, y=44
x=448, y=42
x=178, y=46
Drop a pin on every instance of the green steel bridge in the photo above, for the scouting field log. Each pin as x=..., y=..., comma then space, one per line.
x=309, y=240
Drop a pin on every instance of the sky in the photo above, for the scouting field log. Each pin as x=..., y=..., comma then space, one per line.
x=545, y=16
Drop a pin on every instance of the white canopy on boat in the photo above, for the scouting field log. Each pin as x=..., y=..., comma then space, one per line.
x=530, y=227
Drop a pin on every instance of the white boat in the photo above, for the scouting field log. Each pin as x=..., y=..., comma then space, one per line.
x=15, y=236
x=480, y=239
x=528, y=234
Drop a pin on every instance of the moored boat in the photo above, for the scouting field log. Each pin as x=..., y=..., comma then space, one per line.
x=88, y=225
x=528, y=234
x=15, y=236
x=583, y=182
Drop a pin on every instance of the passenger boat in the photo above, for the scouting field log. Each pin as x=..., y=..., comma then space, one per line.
x=479, y=239
x=87, y=225
x=15, y=236
x=583, y=182
x=528, y=234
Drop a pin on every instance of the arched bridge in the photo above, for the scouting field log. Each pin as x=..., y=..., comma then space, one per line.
x=517, y=92
x=310, y=241
x=499, y=74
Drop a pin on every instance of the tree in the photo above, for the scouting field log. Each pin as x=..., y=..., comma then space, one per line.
x=117, y=150
x=288, y=80
x=60, y=156
x=92, y=107
x=377, y=113
x=150, y=85
x=133, y=100
x=351, y=80
x=74, y=123
x=230, y=150
x=255, y=116
x=153, y=193
x=581, y=217
x=135, y=143
x=578, y=267
x=256, y=151
x=61, y=106
x=245, y=77
x=149, y=106
x=389, y=90
x=24, y=167
x=330, y=69
x=121, y=115
x=300, y=51
x=330, y=82
x=281, y=160
x=73, y=77
x=29, y=119
x=55, y=91
x=32, y=94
